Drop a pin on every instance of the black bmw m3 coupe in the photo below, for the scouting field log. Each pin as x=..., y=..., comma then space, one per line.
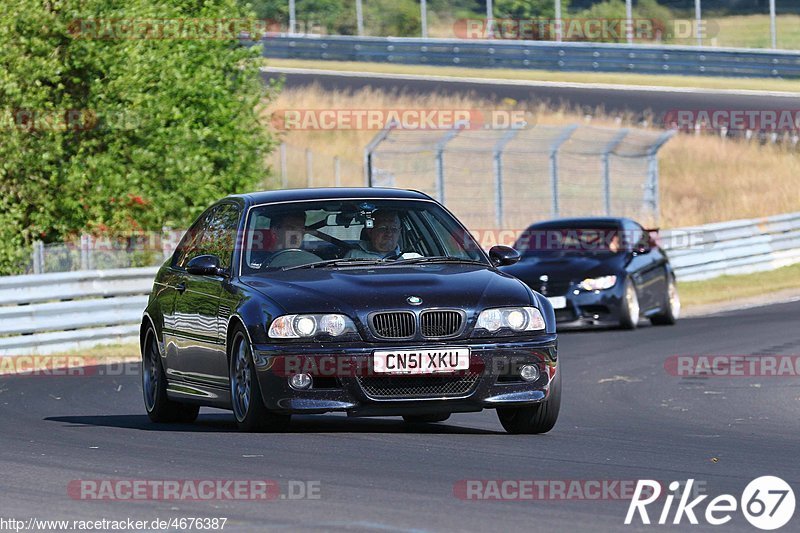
x=373, y=302
x=598, y=271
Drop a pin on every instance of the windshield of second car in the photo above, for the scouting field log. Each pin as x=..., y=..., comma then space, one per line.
x=317, y=233
x=570, y=240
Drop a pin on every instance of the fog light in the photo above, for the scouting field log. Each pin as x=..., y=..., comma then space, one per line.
x=303, y=381
x=529, y=372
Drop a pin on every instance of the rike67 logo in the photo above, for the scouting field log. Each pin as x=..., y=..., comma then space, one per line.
x=767, y=503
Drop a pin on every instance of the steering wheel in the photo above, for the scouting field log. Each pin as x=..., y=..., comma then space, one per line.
x=291, y=257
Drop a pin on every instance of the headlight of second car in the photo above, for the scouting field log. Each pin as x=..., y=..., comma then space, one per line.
x=598, y=284
x=516, y=319
x=309, y=326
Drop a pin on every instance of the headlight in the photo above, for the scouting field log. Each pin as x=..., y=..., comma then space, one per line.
x=513, y=318
x=598, y=284
x=302, y=326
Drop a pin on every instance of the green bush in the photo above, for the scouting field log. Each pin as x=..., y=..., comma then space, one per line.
x=395, y=18
x=155, y=129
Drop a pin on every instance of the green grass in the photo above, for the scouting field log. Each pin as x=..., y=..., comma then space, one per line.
x=108, y=351
x=648, y=80
x=752, y=31
x=730, y=288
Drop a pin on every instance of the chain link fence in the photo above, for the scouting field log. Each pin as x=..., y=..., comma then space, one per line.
x=498, y=179
x=296, y=167
x=100, y=253
x=511, y=178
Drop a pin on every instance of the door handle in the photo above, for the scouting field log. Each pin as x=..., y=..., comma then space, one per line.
x=180, y=287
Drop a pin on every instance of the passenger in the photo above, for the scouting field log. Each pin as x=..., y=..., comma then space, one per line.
x=383, y=238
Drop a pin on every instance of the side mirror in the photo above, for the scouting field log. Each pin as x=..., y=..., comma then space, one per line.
x=503, y=255
x=206, y=265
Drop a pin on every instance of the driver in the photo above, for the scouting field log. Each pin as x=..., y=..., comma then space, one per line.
x=287, y=231
x=383, y=238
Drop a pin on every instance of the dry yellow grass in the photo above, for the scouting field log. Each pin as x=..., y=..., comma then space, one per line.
x=703, y=178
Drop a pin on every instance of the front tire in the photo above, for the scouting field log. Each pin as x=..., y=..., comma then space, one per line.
x=534, y=419
x=154, y=386
x=248, y=408
x=631, y=310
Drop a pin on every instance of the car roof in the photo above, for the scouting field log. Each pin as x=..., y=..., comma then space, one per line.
x=582, y=222
x=330, y=193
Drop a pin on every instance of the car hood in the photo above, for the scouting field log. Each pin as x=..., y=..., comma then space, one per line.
x=566, y=268
x=355, y=291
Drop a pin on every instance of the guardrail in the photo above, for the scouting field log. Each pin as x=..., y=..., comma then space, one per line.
x=49, y=313
x=736, y=247
x=565, y=56
x=65, y=311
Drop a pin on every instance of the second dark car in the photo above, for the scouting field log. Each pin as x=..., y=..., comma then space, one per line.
x=598, y=271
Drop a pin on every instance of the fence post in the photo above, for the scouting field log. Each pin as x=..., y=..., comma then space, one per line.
x=90, y=252
x=607, y=170
x=561, y=139
x=498, y=174
x=651, y=194
x=309, y=168
x=84, y=251
x=337, y=176
x=440, y=146
x=373, y=144
x=284, y=171
x=37, y=257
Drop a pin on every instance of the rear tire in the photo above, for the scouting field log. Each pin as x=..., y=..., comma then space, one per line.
x=672, y=306
x=534, y=419
x=630, y=314
x=159, y=407
x=248, y=408
x=426, y=419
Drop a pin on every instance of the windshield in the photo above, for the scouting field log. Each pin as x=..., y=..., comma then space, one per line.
x=570, y=240
x=328, y=233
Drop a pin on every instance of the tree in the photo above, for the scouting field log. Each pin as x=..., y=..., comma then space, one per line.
x=528, y=9
x=108, y=132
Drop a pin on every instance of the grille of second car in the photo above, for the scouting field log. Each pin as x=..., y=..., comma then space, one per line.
x=440, y=323
x=394, y=325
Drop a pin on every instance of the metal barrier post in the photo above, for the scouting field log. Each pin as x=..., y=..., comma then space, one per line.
x=373, y=144
x=498, y=174
x=651, y=194
x=561, y=139
x=37, y=257
x=607, y=171
x=84, y=252
x=457, y=127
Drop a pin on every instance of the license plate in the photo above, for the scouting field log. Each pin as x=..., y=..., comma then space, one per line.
x=558, y=302
x=420, y=361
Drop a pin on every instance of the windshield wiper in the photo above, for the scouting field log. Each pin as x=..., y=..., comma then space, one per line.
x=339, y=262
x=439, y=259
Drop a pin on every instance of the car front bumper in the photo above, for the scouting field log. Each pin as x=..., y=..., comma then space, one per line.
x=591, y=308
x=344, y=381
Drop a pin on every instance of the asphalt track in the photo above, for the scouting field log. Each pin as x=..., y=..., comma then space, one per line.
x=623, y=418
x=643, y=101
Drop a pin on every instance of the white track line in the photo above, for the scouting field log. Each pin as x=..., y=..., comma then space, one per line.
x=528, y=83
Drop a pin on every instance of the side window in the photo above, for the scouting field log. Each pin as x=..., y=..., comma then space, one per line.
x=190, y=240
x=639, y=238
x=214, y=233
x=219, y=234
